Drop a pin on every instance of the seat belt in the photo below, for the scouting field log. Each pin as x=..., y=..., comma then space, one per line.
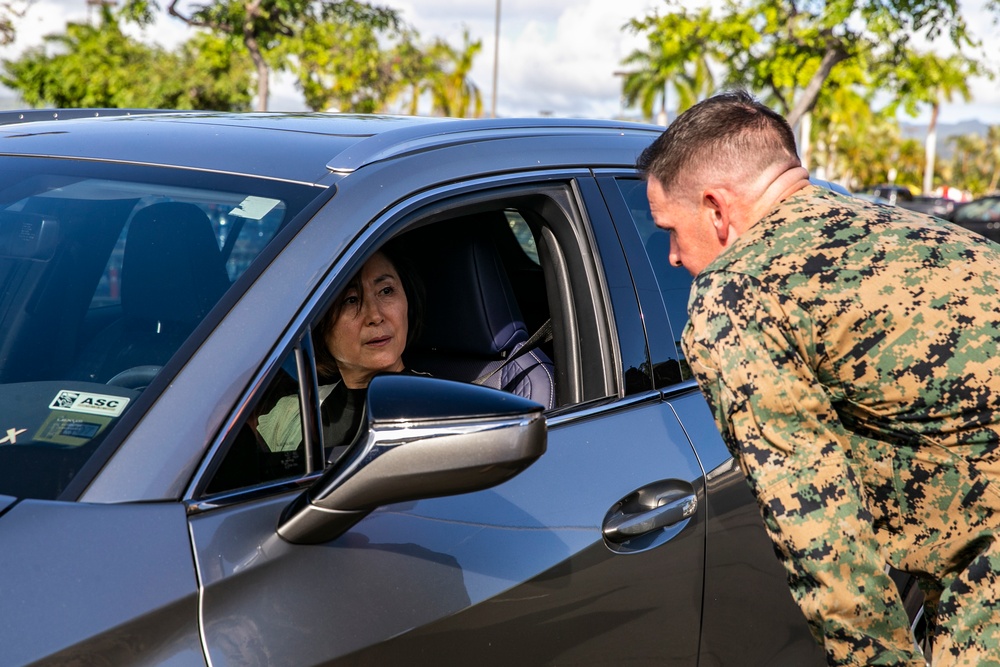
x=543, y=335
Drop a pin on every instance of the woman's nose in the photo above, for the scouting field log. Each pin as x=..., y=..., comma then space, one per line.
x=373, y=313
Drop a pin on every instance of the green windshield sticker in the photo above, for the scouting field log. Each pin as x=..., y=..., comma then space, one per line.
x=66, y=428
x=254, y=208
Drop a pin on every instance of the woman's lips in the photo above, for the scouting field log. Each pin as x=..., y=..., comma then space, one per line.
x=379, y=342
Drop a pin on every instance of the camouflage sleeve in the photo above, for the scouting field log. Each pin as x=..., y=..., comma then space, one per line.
x=750, y=352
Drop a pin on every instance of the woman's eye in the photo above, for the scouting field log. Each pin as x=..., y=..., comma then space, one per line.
x=350, y=300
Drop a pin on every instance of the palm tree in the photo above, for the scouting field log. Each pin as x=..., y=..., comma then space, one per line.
x=931, y=79
x=647, y=84
x=993, y=155
x=678, y=54
x=452, y=92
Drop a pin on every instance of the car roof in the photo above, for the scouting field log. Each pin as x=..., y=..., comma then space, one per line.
x=302, y=147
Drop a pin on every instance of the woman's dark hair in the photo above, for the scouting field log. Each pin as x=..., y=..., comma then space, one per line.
x=413, y=287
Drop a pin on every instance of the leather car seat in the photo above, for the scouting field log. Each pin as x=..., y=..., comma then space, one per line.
x=472, y=323
x=172, y=274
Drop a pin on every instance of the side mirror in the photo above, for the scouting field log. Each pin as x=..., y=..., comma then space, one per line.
x=425, y=438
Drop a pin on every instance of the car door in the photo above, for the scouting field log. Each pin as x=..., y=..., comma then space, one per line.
x=750, y=618
x=593, y=555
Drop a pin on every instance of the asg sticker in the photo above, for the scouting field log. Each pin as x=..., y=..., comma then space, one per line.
x=91, y=404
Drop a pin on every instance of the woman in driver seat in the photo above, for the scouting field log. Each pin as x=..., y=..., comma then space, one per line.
x=364, y=333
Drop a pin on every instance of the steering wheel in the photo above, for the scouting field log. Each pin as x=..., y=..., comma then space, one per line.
x=137, y=377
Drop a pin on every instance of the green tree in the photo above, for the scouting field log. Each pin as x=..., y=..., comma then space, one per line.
x=10, y=11
x=788, y=49
x=930, y=79
x=865, y=158
x=412, y=66
x=341, y=65
x=993, y=157
x=850, y=134
x=99, y=66
x=267, y=28
x=678, y=54
x=967, y=162
x=452, y=91
x=976, y=161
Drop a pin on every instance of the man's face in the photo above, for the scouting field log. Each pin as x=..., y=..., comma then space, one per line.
x=694, y=243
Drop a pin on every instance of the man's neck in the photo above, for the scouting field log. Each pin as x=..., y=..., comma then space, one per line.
x=780, y=188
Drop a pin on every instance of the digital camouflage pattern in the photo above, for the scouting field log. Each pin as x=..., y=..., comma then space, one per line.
x=851, y=355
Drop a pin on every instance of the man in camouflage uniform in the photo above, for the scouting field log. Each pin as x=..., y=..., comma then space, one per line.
x=851, y=355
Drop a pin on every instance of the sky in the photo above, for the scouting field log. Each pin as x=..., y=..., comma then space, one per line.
x=556, y=57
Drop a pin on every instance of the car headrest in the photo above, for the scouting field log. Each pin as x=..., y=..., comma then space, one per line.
x=470, y=305
x=172, y=269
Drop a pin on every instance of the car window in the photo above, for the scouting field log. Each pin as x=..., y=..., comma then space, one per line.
x=269, y=446
x=674, y=282
x=477, y=295
x=983, y=210
x=107, y=269
x=523, y=234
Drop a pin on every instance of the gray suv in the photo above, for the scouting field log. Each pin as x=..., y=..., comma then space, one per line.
x=162, y=275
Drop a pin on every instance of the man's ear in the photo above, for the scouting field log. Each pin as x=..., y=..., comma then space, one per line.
x=716, y=204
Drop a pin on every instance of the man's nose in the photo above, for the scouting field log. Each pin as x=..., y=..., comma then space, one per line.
x=674, y=256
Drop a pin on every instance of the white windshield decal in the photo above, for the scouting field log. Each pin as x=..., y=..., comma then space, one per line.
x=91, y=404
x=254, y=208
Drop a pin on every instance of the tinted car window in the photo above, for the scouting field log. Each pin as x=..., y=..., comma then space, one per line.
x=674, y=282
x=106, y=270
x=982, y=210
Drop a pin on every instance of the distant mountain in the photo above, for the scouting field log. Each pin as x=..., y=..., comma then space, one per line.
x=944, y=131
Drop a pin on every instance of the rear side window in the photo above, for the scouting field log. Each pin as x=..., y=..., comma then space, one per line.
x=107, y=269
x=674, y=282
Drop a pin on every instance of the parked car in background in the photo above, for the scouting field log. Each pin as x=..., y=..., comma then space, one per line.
x=162, y=277
x=896, y=195
x=875, y=199
x=939, y=207
x=900, y=195
x=980, y=215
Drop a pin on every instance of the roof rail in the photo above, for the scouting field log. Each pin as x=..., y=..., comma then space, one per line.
x=35, y=115
x=450, y=131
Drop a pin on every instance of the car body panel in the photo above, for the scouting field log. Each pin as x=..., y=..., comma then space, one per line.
x=409, y=565
x=116, y=581
x=740, y=557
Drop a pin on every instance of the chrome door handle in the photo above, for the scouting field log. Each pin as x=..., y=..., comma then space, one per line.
x=634, y=515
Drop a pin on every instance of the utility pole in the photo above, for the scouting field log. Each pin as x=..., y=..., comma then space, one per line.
x=496, y=61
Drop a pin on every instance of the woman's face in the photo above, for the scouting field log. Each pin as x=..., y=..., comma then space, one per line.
x=368, y=333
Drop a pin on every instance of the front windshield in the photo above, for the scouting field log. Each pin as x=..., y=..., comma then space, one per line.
x=105, y=271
